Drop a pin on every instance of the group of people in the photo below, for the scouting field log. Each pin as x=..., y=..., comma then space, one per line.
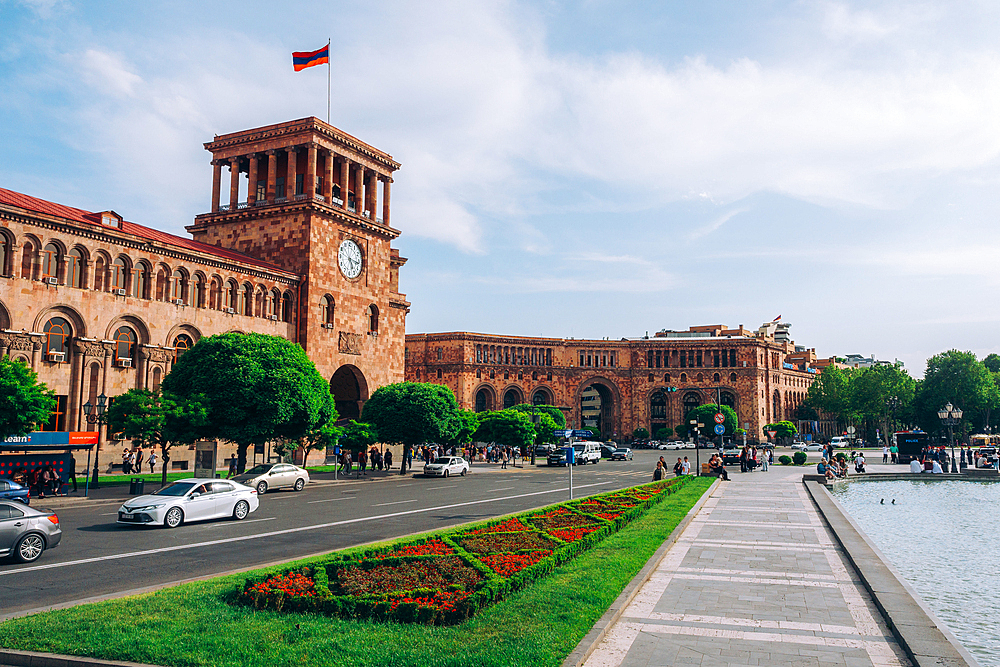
x=41, y=480
x=132, y=460
x=752, y=458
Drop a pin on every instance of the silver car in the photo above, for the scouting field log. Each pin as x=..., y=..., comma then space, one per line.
x=25, y=532
x=446, y=466
x=186, y=500
x=269, y=476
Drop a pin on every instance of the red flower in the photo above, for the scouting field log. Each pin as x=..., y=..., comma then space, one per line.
x=508, y=526
x=291, y=584
x=572, y=534
x=431, y=548
x=507, y=564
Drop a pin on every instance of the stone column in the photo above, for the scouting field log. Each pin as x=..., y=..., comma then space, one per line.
x=216, y=184
x=234, y=183
x=291, y=172
x=345, y=178
x=386, y=182
x=328, y=180
x=252, y=180
x=309, y=182
x=36, y=354
x=359, y=190
x=371, y=192
x=272, y=171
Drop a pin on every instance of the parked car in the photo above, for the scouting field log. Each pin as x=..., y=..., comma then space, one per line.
x=813, y=447
x=587, y=452
x=798, y=445
x=25, y=532
x=446, y=466
x=543, y=450
x=731, y=456
x=11, y=490
x=607, y=452
x=267, y=476
x=192, y=499
x=621, y=454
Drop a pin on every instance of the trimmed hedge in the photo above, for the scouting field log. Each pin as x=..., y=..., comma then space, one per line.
x=582, y=523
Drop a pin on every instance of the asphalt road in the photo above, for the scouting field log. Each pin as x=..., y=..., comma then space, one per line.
x=98, y=558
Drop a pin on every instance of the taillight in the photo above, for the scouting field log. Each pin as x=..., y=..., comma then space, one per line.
x=53, y=518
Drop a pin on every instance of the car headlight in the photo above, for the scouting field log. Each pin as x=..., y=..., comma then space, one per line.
x=147, y=507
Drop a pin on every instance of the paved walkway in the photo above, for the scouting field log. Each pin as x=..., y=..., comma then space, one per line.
x=755, y=579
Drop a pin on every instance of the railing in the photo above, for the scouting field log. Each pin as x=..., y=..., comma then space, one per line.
x=262, y=202
x=242, y=205
x=223, y=207
x=301, y=197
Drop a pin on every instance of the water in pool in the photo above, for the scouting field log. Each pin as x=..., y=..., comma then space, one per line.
x=943, y=538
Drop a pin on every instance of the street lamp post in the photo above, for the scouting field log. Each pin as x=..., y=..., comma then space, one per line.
x=892, y=404
x=951, y=417
x=95, y=415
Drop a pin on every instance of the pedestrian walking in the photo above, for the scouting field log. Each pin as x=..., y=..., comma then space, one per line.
x=503, y=459
x=387, y=460
x=232, y=466
x=152, y=461
x=678, y=468
x=658, y=473
x=363, y=463
x=126, y=461
x=894, y=453
x=72, y=470
x=885, y=453
x=763, y=460
x=687, y=466
x=138, y=460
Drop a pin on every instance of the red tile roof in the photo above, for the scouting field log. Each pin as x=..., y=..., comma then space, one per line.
x=79, y=215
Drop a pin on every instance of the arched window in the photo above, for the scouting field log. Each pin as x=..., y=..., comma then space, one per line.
x=246, y=299
x=286, y=307
x=691, y=401
x=273, y=304
x=57, y=334
x=727, y=398
x=140, y=281
x=215, y=297
x=326, y=306
x=540, y=397
x=119, y=272
x=511, y=397
x=157, y=376
x=684, y=377
x=666, y=377
x=232, y=296
x=162, y=288
x=732, y=377
x=74, y=268
x=658, y=406
x=177, y=285
x=484, y=400
x=198, y=300
x=124, y=343
x=50, y=261
x=716, y=378
x=4, y=255
x=373, y=319
x=27, y=260
x=182, y=344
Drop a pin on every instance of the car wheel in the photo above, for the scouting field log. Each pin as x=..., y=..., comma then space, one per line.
x=445, y=473
x=174, y=517
x=261, y=488
x=464, y=471
x=299, y=484
x=241, y=510
x=30, y=548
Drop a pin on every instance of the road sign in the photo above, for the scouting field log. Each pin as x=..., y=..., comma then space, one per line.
x=851, y=429
x=580, y=434
x=720, y=429
x=772, y=433
x=559, y=433
x=570, y=454
x=720, y=418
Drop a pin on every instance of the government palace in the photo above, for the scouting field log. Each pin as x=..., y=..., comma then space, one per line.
x=301, y=247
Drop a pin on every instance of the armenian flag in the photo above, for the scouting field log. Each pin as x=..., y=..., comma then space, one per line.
x=304, y=59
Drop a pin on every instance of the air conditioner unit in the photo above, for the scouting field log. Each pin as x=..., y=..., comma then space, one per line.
x=374, y=334
x=272, y=317
x=178, y=302
x=327, y=325
x=230, y=311
x=52, y=280
x=57, y=357
x=125, y=363
x=120, y=292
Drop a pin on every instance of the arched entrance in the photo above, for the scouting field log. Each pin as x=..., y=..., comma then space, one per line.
x=692, y=399
x=512, y=397
x=484, y=399
x=350, y=391
x=657, y=412
x=541, y=397
x=597, y=409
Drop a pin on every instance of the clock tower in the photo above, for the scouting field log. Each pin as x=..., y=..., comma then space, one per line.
x=315, y=201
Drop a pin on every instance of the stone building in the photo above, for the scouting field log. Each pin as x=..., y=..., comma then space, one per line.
x=621, y=385
x=302, y=249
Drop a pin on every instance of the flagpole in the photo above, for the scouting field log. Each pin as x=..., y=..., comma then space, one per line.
x=329, y=66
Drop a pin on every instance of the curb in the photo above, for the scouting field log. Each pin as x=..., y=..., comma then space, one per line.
x=600, y=630
x=34, y=659
x=922, y=636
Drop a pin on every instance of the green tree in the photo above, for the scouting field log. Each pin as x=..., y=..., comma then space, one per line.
x=960, y=379
x=705, y=414
x=664, y=433
x=681, y=430
x=155, y=419
x=465, y=424
x=640, y=434
x=831, y=392
x=544, y=426
x=872, y=390
x=552, y=411
x=356, y=436
x=508, y=427
x=259, y=388
x=411, y=413
x=24, y=401
x=992, y=362
x=321, y=437
x=782, y=429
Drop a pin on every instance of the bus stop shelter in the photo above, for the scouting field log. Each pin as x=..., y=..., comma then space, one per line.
x=43, y=448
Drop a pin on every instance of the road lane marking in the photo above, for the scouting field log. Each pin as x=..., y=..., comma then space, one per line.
x=398, y=502
x=287, y=531
x=448, y=486
x=328, y=500
x=504, y=488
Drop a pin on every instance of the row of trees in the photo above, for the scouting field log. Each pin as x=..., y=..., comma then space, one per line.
x=886, y=398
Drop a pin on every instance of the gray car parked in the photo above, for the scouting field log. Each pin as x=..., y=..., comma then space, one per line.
x=25, y=532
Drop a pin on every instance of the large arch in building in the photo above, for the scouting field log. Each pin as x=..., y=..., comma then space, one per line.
x=598, y=401
x=485, y=398
x=657, y=411
x=541, y=396
x=512, y=396
x=691, y=400
x=350, y=391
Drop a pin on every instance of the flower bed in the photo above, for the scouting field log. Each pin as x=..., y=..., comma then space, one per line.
x=448, y=577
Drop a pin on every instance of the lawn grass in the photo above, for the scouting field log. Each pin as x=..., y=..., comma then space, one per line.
x=192, y=624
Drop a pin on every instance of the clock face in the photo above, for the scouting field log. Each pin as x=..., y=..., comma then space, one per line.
x=349, y=258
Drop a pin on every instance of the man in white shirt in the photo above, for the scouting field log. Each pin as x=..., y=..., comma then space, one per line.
x=885, y=453
x=686, y=467
x=915, y=466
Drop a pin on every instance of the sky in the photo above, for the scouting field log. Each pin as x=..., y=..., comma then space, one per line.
x=578, y=169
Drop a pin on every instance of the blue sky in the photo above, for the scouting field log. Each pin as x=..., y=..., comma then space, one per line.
x=582, y=169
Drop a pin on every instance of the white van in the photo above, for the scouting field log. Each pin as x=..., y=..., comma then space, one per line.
x=840, y=441
x=587, y=452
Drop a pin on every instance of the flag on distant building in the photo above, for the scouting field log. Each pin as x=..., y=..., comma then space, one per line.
x=304, y=59
x=776, y=319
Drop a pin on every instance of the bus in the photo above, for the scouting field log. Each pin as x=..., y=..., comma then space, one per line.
x=911, y=445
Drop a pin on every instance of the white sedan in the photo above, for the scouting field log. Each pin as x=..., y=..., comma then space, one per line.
x=268, y=476
x=446, y=466
x=189, y=500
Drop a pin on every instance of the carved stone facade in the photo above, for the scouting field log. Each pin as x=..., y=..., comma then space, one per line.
x=96, y=304
x=619, y=385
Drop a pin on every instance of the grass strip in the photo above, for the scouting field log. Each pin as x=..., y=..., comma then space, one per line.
x=192, y=625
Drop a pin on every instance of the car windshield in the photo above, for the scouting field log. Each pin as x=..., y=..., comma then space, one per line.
x=175, y=489
x=578, y=448
x=259, y=470
x=622, y=450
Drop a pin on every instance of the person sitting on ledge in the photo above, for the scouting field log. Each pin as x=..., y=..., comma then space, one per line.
x=936, y=468
x=716, y=466
x=915, y=466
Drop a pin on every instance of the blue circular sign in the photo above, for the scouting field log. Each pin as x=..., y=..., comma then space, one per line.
x=720, y=429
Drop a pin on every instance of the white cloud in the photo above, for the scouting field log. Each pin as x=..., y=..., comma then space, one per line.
x=108, y=73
